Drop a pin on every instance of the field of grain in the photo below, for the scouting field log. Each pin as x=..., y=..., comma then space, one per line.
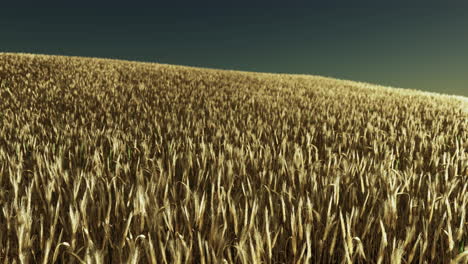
x=107, y=161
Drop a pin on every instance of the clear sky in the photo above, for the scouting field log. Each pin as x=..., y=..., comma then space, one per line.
x=409, y=44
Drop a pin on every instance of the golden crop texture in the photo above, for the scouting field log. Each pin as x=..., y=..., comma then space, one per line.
x=108, y=161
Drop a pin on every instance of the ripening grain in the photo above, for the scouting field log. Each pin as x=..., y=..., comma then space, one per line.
x=106, y=161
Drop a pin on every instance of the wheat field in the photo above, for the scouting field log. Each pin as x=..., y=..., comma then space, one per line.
x=111, y=161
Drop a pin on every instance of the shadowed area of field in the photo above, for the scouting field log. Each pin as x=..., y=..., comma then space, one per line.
x=117, y=161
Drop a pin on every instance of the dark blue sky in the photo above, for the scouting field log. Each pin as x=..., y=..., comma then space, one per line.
x=420, y=45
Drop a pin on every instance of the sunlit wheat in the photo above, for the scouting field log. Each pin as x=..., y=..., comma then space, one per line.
x=107, y=161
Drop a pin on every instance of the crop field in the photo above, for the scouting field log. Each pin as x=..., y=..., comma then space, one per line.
x=109, y=161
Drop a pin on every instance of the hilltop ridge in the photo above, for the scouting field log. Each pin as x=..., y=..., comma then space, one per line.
x=227, y=71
